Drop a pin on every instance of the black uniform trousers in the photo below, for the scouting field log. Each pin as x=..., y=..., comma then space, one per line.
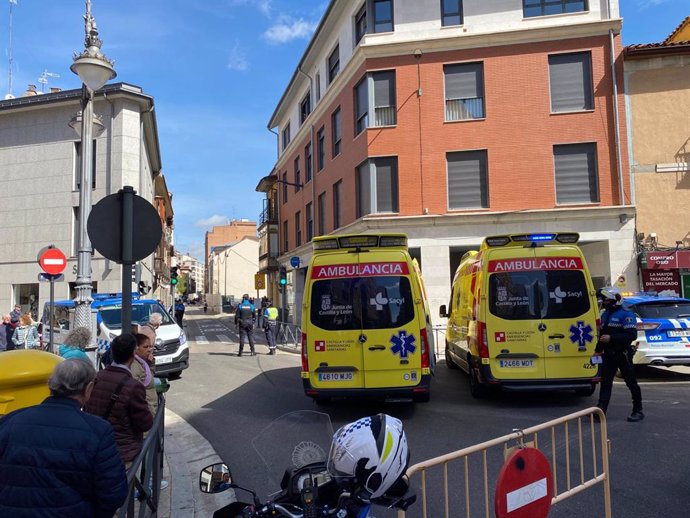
x=612, y=362
x=246, y=334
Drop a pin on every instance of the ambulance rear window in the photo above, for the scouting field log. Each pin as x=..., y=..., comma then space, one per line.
x=361, y=303
x=539, y=295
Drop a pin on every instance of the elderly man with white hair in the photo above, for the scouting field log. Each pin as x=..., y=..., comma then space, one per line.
x=56, y=460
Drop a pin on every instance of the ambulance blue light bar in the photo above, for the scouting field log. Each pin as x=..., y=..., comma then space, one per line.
x=527, y=239
x=361, y=241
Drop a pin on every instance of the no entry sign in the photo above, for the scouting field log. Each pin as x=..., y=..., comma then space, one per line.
x=525, y=486
x=52, y=260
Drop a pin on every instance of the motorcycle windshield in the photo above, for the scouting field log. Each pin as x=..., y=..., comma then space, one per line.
x=292, y=441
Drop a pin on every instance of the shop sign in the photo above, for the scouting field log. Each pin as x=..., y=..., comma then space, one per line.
x=663, y=282
x=668, y=260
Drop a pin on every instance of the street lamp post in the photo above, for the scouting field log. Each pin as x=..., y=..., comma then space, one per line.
x=94, y=70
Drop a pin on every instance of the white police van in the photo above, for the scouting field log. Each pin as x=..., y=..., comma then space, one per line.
x=171, y=350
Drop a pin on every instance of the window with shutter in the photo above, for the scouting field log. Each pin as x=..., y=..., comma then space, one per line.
x=468, y=186
x=576, y=173
x=333, y=64
x=377, y=186
x=532, y=8
x=384, y=98
x=570, y=76
x=464, y=91
x=361, y=106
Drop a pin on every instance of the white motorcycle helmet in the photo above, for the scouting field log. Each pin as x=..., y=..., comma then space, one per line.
x=372, y=452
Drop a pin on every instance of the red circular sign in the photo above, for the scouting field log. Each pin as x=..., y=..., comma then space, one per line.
x=525, y=486
x=52, y=260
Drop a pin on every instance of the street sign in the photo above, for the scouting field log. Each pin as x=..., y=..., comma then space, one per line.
x=294, y=261
x=259, y=281
x=105, y=228
x=46, y=277
x=52, y=260
x=524, y=488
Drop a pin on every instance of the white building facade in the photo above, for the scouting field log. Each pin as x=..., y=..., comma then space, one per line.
x=39, y=164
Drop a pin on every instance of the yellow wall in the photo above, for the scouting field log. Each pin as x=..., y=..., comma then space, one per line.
x=660, y=125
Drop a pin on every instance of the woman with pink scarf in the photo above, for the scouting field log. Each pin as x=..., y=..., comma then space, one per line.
x=143, y=365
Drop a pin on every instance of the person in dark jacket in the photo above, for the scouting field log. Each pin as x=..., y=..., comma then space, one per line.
x=245, y=316
x=129, y=415
x=6, y=332
x=57, y=461
x=618, y=331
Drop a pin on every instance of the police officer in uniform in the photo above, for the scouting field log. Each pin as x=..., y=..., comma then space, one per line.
x=245, y=315
x=618, y=331
x=270, y=318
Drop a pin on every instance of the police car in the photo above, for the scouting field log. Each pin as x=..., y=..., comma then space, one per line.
x=663, y=329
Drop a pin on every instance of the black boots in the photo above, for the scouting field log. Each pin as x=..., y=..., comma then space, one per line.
x=636, y=416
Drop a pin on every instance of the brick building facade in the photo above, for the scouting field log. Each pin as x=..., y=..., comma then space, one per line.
x=504, y=122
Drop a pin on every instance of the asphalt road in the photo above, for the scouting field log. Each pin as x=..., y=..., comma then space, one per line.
x=230, y=400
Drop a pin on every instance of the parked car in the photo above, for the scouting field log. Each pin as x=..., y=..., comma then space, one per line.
x=663, y=329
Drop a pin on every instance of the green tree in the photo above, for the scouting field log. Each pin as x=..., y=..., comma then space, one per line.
x=182, y=281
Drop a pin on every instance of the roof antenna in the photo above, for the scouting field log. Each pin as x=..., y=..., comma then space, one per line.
x=43, y=79
x=9, y=57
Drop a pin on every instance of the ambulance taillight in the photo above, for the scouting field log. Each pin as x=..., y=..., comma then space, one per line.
x=305, y=360
x=426, y=362
x=483, y=340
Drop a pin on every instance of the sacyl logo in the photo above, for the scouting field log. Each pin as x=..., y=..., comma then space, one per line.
x=379, y=301
x=558, y=295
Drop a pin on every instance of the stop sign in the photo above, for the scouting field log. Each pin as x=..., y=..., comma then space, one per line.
x=52, y=260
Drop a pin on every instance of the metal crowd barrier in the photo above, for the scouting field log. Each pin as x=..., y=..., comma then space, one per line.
x=581, y=465
x=289, y=335
x=145, y=475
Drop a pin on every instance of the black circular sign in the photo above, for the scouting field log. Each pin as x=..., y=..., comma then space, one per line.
x=105, y=227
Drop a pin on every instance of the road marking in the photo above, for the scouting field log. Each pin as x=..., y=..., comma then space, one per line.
x=200, y=340
x=224, y=338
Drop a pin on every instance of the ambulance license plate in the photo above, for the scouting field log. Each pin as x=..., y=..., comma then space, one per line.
x=336, y=376
x=678, y=333
x=517, y=363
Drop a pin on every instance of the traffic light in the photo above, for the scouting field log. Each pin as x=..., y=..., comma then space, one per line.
x=173, y=275
x=283, y=276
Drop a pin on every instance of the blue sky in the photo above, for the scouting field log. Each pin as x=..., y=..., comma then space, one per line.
x=216, y=69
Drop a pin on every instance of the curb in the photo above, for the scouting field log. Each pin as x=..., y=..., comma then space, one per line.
x=187, y=452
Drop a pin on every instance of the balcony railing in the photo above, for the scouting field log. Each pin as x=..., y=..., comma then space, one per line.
x=270, y=213
x=464, y=109
x=384, y=115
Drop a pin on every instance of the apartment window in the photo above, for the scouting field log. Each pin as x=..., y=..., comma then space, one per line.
x=310, y=222
x=532, y=8
x=307, y=163
x=320, y=149
x=464, y=91
x=467, y=180
x=298, y=228
x=361, y=23
x=298, y=175
x=333, y=64
x=321, y=207
x=375, y=93
x=451, y=12
x=317, y=85
x=285, y=187
x=382, y=11
x=570, y=76
x=305, y=108
x=377, y=186
x=336, y=204
x=337, y=132
x=286, y=136
x=285, y=237
x=77, y=165
x=576, y=173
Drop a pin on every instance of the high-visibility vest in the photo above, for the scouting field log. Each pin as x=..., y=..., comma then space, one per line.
x=271, y=313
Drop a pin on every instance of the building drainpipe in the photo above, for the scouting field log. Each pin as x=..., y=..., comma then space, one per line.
x=616, y=118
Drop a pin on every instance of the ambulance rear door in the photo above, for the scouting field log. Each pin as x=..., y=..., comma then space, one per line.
x=568, y=314
x=513, y=315
x=392, y=314
x=333, y=346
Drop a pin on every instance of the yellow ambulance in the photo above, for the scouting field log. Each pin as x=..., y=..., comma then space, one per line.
x=523, y=315
x=366, y=329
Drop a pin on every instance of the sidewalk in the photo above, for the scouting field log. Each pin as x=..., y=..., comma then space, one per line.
x=187, y=452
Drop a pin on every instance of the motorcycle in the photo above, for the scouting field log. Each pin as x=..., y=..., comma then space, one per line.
x=297, y=445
